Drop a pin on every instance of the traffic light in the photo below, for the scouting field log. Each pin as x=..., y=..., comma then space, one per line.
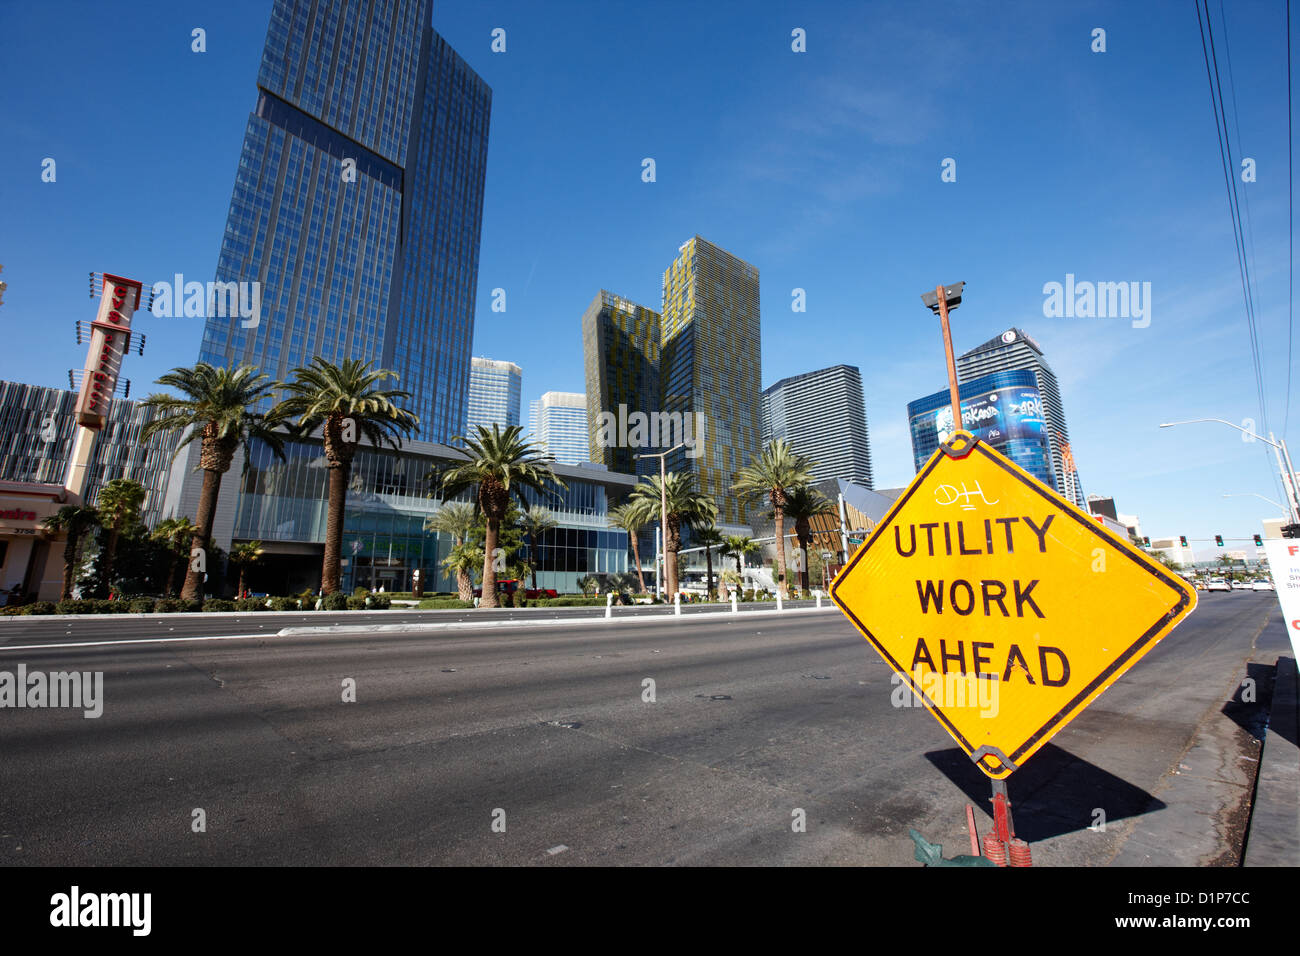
x=1259, y=542
x=1146, y=542
x=1182, y=540
x=1291, y=530
x=1218, y=539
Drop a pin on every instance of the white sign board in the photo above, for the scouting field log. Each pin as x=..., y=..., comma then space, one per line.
x=1284, y=565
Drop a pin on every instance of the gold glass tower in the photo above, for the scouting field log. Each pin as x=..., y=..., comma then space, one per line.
x=711, y=363
x=620, y=345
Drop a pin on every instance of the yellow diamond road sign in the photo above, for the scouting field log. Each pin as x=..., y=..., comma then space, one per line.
x=1004, y=607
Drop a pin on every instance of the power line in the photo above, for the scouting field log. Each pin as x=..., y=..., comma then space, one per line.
x=1234, y=208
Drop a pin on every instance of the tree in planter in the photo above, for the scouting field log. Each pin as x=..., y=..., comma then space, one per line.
x=76, y=520
x=175, y=534
x=343, y=401
x=500, y=463
x=456, y=518
x=241, y=556
x=803, y=504
x=737, y=546
x=772, y=476
x=675, y=494
x=631, y=519
x=215, y=409
x=709, y=537
x=119, y=507
x=535, y=521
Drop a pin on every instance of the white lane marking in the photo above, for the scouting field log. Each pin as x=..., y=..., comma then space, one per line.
x=146, y=640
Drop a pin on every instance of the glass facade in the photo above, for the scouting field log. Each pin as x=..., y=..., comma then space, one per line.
x=495, y=394
x=558, y=425
x=620, y=346
x=38, y=428
x=358, y=203
x=1004, y=409
x=388, y=499
x=711, y=363
x=822, y=415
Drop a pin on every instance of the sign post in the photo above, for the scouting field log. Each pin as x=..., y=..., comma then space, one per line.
x=1006, y=608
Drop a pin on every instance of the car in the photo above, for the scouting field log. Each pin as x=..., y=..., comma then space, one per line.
x=1217, y=584
x=1263, y=586
x=1240, y=586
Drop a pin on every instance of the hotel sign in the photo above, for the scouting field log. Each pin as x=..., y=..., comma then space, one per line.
x=109, y=339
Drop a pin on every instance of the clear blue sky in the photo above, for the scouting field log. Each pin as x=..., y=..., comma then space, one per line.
x=821, y=168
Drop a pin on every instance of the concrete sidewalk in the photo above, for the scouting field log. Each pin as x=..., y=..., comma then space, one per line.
x=1273, y=838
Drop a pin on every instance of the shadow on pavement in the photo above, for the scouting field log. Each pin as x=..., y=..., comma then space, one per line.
x=1252, y=715
x=1054, y=793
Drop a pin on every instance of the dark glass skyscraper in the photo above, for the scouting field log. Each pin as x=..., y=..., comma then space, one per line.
x=358, y=202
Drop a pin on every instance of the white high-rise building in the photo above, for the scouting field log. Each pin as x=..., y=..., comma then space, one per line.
x=823, y=416
x=494, y=394
x=558, y=425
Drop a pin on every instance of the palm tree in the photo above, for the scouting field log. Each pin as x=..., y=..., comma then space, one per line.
x=76, y=520
x=737, y=546
x=535, y=521
x=242, y=555
x=803, y=504
x=456, y=518
x=215, y=408
x=683, y=505
x=463, y=560
x=710, y=537
x=778, y=469
x=119, y=507
x=499, y=462
x=174, y=533
x=632, y=519
x=344, y=400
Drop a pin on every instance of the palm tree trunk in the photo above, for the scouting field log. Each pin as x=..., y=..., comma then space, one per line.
x=192, y=589
x=489, y=569
x=708, y=574
x=780, y=553
x=670, y=558
x=636, y=556
x=532, y=553
x=239, y=592
x=340, y=474
x=464, y=585
x=69, y=565
x=171, y=574
x=110, y=553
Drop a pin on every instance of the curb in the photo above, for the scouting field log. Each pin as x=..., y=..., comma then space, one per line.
x=1273, y=838
x=473, y=625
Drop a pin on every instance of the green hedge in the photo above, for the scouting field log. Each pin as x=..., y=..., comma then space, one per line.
x=338, y=601
x=251, y=604
x=218, y=604
x=571, y=600
x=444, y=604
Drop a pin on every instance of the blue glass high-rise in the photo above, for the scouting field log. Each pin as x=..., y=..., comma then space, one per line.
x=358, y=203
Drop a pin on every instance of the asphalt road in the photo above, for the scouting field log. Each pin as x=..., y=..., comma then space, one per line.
x=546, y=728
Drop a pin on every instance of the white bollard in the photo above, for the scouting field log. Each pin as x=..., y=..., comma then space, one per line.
x=677, y=603
x=779, y=605
x=609, y=605
x=734, y=609
x=819, y=600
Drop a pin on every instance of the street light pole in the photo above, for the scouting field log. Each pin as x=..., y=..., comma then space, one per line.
x=663, y=509
x=1251, y=494
x=1279, y=452
x=940, y=301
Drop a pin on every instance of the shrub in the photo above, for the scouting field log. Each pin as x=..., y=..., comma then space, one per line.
x=571, y=600
x=357, y=602
x=75, y=606
x=359, y=591
x=337, y=601
x=380, y=602
x=747, y=596
x=251, y=604
x=218, y=604
x=39, y=607
x=284, y=604
x=11, y=610
x=307, y=600
x=142, y=605
x=170, y=605
x=441, y=604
